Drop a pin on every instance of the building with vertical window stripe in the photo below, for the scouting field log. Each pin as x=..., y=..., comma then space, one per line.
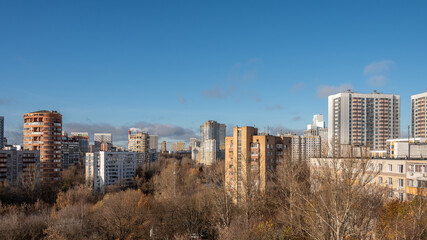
x=360, y=119
x=419, y=115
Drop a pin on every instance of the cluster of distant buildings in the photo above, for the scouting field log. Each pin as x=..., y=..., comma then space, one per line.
x=359, y=125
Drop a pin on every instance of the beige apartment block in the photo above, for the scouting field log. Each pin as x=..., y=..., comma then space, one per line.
x=178, y=146
x=250, y=159
x=139, y=141
x=416, y=178
x=391, y=173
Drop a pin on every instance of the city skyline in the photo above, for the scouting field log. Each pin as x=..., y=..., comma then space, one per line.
x=268, y=65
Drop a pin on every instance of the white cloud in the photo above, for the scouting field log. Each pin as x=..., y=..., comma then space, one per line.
x=380, y=67
x=297, y=87
x=326, y=90
x=378, y=81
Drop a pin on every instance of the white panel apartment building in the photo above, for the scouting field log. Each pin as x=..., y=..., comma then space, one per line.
x=419, y=115
x=107, y=168
x=212, y=142
x=360, y=119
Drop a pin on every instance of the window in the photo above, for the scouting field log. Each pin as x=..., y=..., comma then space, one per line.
x=390, y=181
x=380, y=167
x=401, y=196
x=410, y=183
x=380, y=180
x=390, y=194
x=390, y=168
x=400, y=182
x=400, y=168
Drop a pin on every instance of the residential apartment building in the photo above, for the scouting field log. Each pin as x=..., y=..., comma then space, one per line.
x=70, y=151
x=178, y=147
x=212, y=142
x=360, y=119
x=154, y=142
x=407, y=148
x=250, y=159
x=139, y=141
x=1, y=132
x=164, y=149
x=107, y=168
x=306, y=147
x=43, y=132
x=193, y=143
x=83, y=139
x=416, y=178
x=17, y=166
x=405, y=178
x=392, y=173
x=317, y=128
x=102, y=142
x=195, y=149
x=419, y=115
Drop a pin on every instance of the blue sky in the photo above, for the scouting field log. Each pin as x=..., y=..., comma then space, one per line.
x=168, y=66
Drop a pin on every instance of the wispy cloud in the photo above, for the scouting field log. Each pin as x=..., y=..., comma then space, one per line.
x=378, y=81
x=297, y=87
x=242, y=73
x=218, y=92
x=380, y=67
x=274, y=107
x=296, y=118
x=6, y=101
x=326, y=90
x=181, y=99
x=377, y=72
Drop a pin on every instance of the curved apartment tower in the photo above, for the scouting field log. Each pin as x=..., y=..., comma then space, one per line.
x=42, y=132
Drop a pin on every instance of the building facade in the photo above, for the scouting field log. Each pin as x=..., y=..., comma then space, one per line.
x=17, y=166
x=70, y=151
x=154, y=142
x=419, y=115
x=178, y=147
x=407, y=148
x=404, y=178
x=102, y=142
x=212, y=142
x=416, y=178
x=139, y=141
x=164, y=149
x=250, y=159
x=362, y=120
x=83, y=138
x=43, y=132
x=306, y=147
x=1, y=132
x=107, y=168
